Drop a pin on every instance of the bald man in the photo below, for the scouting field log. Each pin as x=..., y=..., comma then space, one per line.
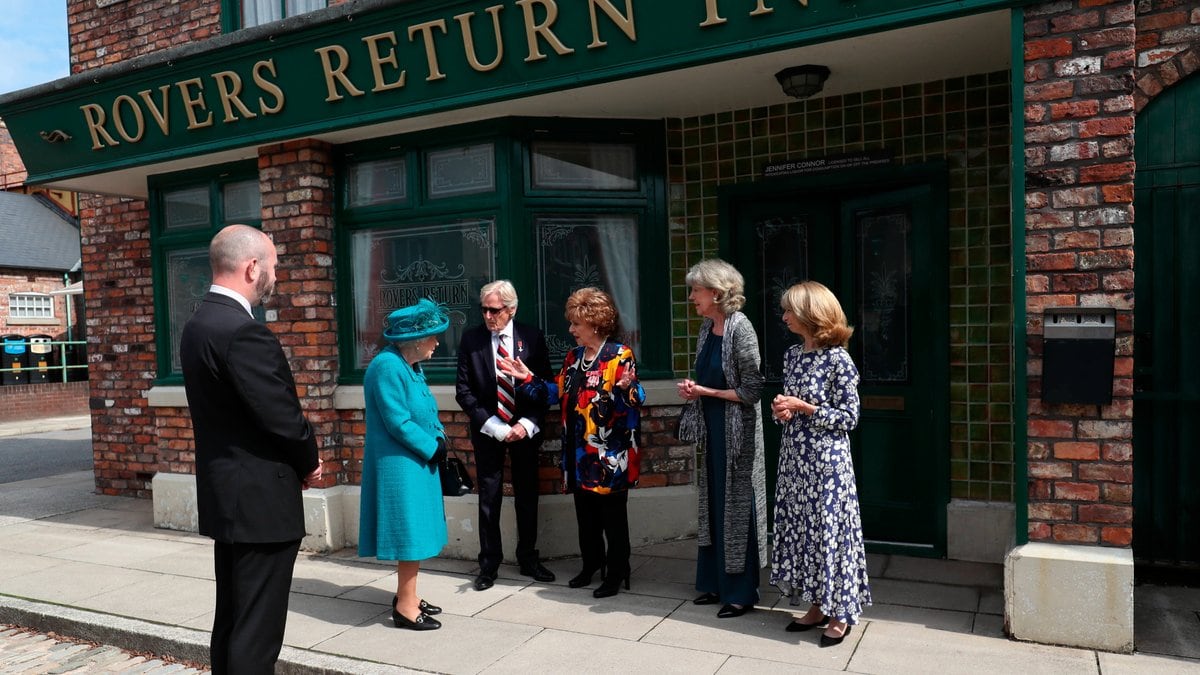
x=255, y=451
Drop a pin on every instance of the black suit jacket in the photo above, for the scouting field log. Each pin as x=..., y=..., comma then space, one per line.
x=475, y=386
x=253, y=444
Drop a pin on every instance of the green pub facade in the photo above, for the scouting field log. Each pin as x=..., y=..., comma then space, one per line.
x=1003, y=194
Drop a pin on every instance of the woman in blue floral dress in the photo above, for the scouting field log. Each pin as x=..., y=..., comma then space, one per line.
x=818, y=556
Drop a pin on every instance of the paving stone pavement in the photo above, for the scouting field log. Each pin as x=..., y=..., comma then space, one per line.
x=33, y=653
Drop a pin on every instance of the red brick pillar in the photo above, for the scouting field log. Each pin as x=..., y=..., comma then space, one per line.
x=119, y=302
x=296, y=179
x=1079, y=115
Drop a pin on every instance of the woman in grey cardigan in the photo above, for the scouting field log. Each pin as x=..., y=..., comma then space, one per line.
x=722, y=416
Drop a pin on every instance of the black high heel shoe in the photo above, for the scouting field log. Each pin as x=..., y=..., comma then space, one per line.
x=827, y=641
x=611, y=586
x=584, y=578
x=422, y=622
x=425, y=607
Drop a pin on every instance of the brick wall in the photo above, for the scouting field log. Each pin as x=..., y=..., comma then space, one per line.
x=296, y=179
x=102, y=36
x=1089, y=66
x=118, y=288
x=33, y=281
x=39, y=401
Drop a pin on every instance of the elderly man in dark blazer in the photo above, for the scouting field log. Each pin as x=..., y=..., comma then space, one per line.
x=255, y=452
x=500, y=424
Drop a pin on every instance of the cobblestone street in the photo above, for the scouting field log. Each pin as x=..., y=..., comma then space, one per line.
x=23, y=651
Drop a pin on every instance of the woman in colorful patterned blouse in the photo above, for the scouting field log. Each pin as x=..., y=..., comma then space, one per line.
x=818, y=556
x=599, y=395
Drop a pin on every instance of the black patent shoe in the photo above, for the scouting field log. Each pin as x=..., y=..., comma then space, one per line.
x=707, y=599
x=484, y=582
x=797, y=626
x=729, y=611
x=422, y=622
x=827, y=641
x=425, y=607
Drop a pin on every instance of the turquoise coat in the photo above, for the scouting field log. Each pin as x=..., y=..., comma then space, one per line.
x=401, y=516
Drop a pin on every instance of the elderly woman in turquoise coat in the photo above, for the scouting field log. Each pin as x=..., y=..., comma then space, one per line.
x=401, y=515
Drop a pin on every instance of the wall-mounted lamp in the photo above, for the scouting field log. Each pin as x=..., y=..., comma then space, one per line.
x=802, y=81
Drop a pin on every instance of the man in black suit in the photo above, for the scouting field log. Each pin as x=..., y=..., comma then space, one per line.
x=255, y=451
x=499, y=423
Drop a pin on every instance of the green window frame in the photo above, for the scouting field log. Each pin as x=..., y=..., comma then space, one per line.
x=428, y=242
x=186, y=210
x=233, y=12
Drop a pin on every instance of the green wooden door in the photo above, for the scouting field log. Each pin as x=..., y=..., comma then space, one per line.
x=1166, y=411
x=880, y=255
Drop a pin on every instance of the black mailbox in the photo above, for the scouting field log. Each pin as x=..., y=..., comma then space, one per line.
x=1079, y=344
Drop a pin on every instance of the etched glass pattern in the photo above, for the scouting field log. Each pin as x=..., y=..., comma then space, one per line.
x=462, y=171
x=445, y=262
x=186, y=208
x=584, y=166
x=884, y=279
x=383, y=181
x=782, y=262
x=577, y=251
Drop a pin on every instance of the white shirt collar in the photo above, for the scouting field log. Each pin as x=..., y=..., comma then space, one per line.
x=230, y=293
x=507, y=331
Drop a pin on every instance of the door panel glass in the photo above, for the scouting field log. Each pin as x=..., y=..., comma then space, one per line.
x=242, y=202
x=885, y=274
x=188, y=279
x=782, y=253
x=446, y=262
x=579, y=251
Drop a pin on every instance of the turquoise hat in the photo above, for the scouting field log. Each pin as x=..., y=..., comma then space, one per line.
x=420, y=319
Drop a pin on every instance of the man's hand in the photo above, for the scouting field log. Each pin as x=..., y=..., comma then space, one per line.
x=311, y=478
x=517, y=433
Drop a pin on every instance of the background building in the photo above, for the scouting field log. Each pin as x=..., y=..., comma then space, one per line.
x=965, y=179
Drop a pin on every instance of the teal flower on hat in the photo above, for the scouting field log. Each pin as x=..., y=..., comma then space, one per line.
x=420, y=319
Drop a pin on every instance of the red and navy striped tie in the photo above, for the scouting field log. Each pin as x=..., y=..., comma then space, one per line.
x=506, y=400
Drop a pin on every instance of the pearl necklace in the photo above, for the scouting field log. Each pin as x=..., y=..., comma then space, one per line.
x=584, y=364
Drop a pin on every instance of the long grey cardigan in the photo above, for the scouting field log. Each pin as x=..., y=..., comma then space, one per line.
x=745, y=470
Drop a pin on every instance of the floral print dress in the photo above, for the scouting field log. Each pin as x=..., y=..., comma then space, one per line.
x=818, y=556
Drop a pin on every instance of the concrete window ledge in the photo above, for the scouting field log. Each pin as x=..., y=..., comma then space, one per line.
x=1078, y=596
x=331, y=518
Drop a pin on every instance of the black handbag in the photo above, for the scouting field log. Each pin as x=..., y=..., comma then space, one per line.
x=456, y=482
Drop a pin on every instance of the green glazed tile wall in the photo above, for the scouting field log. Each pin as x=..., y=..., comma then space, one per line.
x=964, y=121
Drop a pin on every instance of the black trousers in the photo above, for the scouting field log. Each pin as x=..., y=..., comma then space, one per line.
x=489, y=469
x=253, y=582
x=603, y=517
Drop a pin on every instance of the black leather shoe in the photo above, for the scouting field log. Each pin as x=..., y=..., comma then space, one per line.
x=730, y=611
x=538, y=572
x=611, y=586
x=484, y=582
x=425, y=607
x=827, y=641
x=798, y=627
x=707, y=599
x=422, y=622
x=582, y=579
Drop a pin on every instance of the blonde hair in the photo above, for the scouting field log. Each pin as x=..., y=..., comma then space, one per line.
x=595, y=308
x=818, y=310
x=721, y=277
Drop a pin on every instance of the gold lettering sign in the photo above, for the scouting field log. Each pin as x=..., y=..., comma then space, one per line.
x=237, y=94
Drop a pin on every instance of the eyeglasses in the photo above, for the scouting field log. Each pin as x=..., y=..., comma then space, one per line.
x=493, y=310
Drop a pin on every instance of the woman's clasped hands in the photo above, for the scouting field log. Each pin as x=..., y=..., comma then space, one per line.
x=783, y=408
